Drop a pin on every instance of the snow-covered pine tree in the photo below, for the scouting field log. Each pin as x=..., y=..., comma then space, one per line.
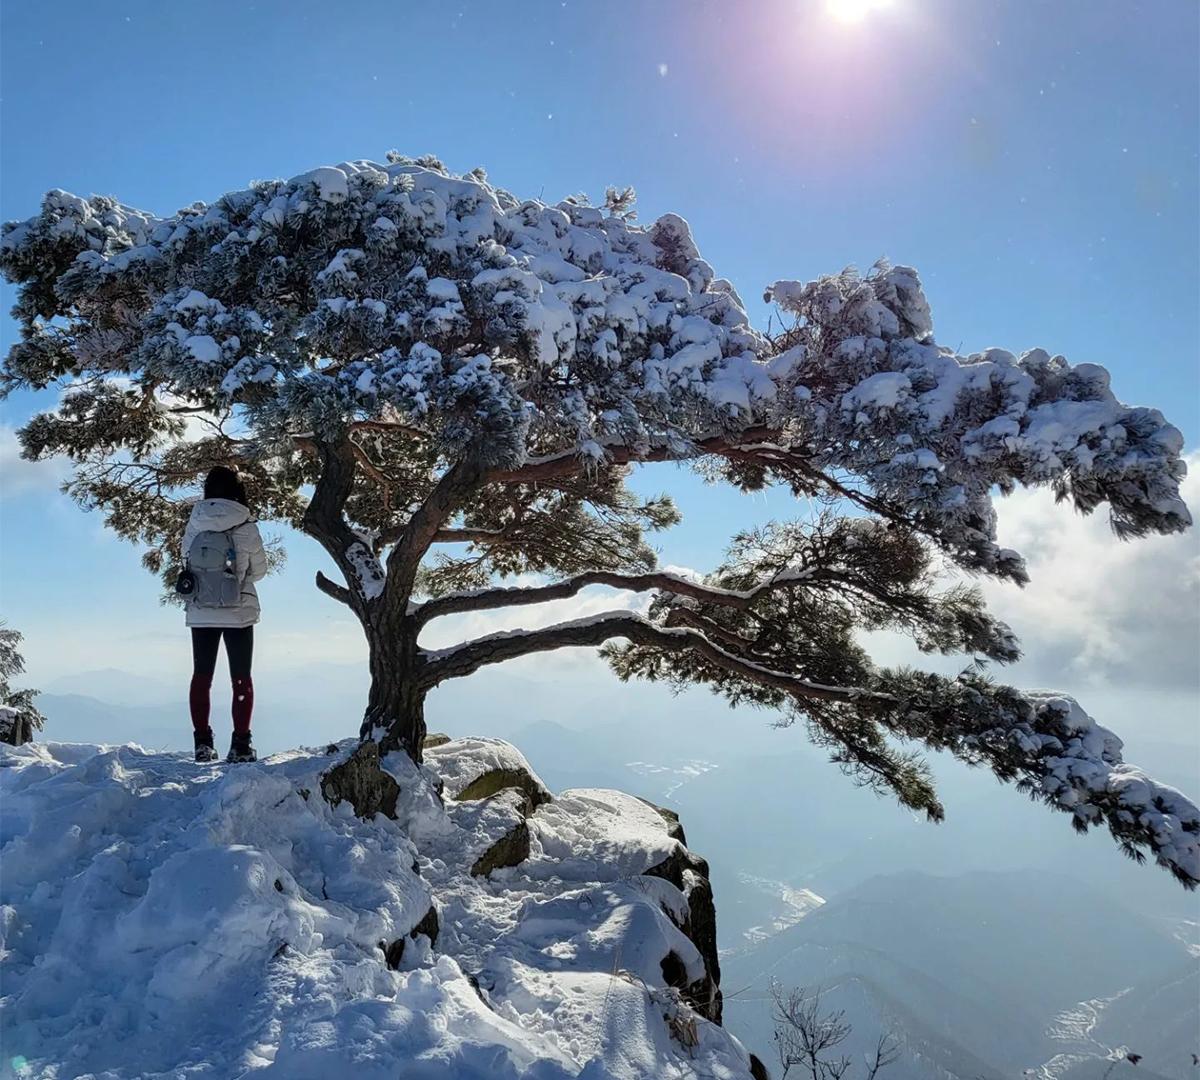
x=19, y=717
x=446, y=386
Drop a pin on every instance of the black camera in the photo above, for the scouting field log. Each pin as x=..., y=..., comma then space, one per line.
x=185, y=584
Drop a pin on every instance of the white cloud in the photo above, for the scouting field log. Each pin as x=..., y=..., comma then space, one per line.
x=196, y=426
x=21, y=477
x=452, y=630
x=1097, y=608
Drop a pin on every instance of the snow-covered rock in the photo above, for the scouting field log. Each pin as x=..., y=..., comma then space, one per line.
x=160, y=918
x=477, y=768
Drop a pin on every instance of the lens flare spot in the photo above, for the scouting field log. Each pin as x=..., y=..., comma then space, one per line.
x=854, y=11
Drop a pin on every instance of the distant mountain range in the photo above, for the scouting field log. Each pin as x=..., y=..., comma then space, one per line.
x=80, y=718
x=975, y=973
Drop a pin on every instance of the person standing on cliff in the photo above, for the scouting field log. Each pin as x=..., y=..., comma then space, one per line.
x=224, y=556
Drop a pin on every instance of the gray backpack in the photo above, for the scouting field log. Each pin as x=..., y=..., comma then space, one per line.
x=212, y=559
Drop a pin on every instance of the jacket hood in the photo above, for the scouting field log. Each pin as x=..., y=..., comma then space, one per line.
x=218, y=515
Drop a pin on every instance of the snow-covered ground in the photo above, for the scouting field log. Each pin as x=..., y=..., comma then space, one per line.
x=163, y=919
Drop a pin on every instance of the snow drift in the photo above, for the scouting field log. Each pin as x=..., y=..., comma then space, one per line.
x=161, y=918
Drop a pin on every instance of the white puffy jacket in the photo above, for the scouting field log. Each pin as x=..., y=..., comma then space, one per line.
x=222, y=515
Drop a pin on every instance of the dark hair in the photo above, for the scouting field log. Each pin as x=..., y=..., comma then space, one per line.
x=224, y=483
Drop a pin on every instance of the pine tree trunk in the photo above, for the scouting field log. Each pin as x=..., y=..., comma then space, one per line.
x=396, y=701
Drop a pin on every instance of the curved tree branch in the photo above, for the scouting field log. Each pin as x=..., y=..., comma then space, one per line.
x=324, y=519
x=569, y=463
x=487, y=599
x=759, y=446
x=422, y=528
x=496, y=648
x=685, y=616
x=393, y=427
x=374, y=473
x=332, y=588
x=468, y=536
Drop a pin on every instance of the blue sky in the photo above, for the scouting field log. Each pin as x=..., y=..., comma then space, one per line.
x=1036, y=160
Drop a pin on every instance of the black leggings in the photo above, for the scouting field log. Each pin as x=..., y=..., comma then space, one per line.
x=239, y=648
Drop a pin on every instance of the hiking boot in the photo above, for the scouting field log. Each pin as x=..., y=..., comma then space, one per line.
x=241, y=749
x=205, y=751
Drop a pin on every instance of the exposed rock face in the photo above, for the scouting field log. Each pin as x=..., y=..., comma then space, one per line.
x=494, y=830
x=428, y=925
x=689, y=874
x=362, y=783
x=512, y=848
x=499, y=779
x=701, y=927
x=394, y=953
x=15, y=729
x=674, y=827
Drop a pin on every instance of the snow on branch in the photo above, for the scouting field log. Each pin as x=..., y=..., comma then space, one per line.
x=665, y=581
x=1042, y=741
x=467, y=658
x=366, y=571
x=1049, y=746
x=396, y=297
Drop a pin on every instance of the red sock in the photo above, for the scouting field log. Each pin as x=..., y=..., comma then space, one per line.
x=243, y=703
x=198, y=701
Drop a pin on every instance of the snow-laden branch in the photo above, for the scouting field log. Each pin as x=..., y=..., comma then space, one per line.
x=1044, y=742
x=1047, y=744
x=610, y=453
x=1086, y=775
x=433, y=306
x=664, y=581
x=461, y=660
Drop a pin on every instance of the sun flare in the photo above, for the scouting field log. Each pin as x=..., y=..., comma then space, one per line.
x=854, y=11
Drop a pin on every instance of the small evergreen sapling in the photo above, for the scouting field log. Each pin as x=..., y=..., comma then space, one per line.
x=446, y=386
x=19, y=717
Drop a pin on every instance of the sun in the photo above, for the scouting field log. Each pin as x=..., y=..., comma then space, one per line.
x=854, y=11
